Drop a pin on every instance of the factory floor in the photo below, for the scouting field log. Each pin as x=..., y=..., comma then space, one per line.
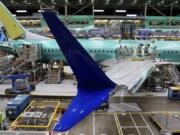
x=129, y=123
x=115, y=124
x=67, y=89
x=121, y=122
x=136, y=121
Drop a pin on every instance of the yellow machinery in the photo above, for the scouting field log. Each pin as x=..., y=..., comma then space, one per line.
x=39, y=116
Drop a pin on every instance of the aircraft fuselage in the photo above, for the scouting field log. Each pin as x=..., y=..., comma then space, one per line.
x=99, y=49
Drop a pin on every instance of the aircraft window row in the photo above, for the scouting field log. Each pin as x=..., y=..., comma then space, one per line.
x=170, y=52
x=52, y=50
x=98, y=51
x=102, y=51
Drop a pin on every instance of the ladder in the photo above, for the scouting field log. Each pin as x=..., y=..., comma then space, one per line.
x=54, y=76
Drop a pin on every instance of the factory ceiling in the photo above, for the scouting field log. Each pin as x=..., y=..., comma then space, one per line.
x=165, y=3
x=108, y=5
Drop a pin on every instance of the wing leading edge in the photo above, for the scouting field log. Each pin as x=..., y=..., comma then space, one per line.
x=94, y=86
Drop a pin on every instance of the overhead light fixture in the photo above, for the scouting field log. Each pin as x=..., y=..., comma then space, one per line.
x=120, y=11
x=14, y=15
x=80, y=1
x=120, y=2
x=21, y=11
x=98, y=10
x=40, y=11
x=131, y=15
x=107, y=1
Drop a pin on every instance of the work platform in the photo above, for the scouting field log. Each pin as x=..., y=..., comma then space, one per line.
x=67, y=89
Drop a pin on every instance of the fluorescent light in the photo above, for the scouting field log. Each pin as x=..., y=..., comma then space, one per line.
x=132, y=15
x=21, y=11
x=40, y=11
x=98, y=10
x=120, y=11
x=14, y=15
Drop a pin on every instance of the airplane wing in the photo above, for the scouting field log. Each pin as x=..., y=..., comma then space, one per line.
x=94, y=87
x=132, y=74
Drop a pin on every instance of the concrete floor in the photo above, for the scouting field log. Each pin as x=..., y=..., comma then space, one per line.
x=68, y=89
x=128, y=123
x=151, y=103
x=116, y=124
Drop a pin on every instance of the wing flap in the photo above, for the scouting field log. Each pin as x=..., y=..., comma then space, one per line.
x=131, y=74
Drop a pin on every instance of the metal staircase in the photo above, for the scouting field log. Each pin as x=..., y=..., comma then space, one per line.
x=170, y=74
x=54, y=76
x=173, y=72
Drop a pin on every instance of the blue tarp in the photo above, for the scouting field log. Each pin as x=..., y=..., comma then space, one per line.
x=2, y=36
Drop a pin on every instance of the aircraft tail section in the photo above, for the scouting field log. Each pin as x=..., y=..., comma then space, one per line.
x=94, y=87
x=84, y=67
x=13, y=28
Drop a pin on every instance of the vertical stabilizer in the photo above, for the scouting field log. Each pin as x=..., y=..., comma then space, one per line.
x=13, y=28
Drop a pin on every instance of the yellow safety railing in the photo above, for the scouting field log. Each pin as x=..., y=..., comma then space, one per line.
x=56, y=105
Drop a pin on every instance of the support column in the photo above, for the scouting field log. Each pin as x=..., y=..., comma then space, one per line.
x=145, y=10
x=170, y=21
x=66, y=15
